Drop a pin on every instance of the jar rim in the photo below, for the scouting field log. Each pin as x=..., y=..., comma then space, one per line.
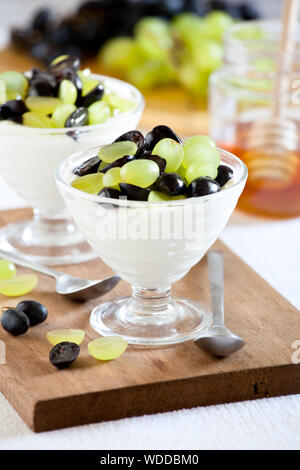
x=261, y=41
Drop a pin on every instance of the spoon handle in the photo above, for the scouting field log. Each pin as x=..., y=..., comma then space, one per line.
x=26, y=263
x=216, y=279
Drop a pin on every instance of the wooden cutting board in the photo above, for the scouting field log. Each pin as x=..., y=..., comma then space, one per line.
x=168, y=105
x=155, y=380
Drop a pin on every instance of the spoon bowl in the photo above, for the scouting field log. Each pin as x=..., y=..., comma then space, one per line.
x=218, y=340
x=72, y=287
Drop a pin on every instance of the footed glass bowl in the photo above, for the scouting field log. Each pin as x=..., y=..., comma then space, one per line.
x=28, y=159
x=151, y=246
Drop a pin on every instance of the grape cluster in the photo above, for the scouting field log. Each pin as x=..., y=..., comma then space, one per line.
x=85, y=31
x=157, y=167
x=185, y=50
x=27, y=313
x=60, y=96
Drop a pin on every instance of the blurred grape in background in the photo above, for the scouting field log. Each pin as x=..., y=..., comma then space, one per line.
x=150, y=43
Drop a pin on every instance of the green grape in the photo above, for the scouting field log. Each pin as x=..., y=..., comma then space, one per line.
x=140, y=172
x=18, y=285
x=13, y=95
x=42, y=104
x=208, y=55
x=196, y=170
x=189, y=28
x=59, y=59
x=218, y=22
x=107, y=348
x=15, y=81
x=118, y=103
x=112, y=177
x=200, y=149
x=102, y=165
x=156, y=196
x=200, y=139
x=88, y=84
x=110, y=153
x=67, y=92
x=190, y=78
x=171, y=151
x=65, y=334
x=119, y=53
x=84, y=74
x=149, y=74
x=2, y=92
x=31, y=119
x=99, y=112
x=61, y=114
x=7, y=270
x=153, y=37
x=91, y=184
x=182, y=172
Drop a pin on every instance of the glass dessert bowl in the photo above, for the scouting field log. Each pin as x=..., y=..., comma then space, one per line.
x=28, y=159
x=151, y=245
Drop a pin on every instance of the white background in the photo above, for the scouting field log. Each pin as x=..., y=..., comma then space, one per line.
x=269, y=247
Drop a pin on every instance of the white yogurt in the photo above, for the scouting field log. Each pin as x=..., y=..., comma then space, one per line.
x=29, y=156
x=140, y=244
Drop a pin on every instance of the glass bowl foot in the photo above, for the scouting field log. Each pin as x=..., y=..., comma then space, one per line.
x=184, y=321
x=54, y=242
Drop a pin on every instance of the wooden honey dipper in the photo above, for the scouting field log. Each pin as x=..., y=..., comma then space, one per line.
x=272, y=143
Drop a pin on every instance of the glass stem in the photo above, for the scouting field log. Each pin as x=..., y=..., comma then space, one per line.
x=149, y=302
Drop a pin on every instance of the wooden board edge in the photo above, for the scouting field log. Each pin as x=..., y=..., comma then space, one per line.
x=167, y=396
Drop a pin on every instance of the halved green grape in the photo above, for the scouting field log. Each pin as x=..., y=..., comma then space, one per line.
x=18, y=285
x=99, y=112
x=32, y=119
x=196, y=170
x=182, y=172
x=13, y=95
x=65, y=334
x=7, y=270
x=88, y=84
x=157, y=196
x=121, y=104
x=200, y=153
x=59, y=59
x=107, y=348
x=171, y=151
x=61, y=114
x=112, y=177
x=140, y=172
x=84, y=74
x=15, y=81
x=200, y=139
x=91, y=184
x=67, y=92
x=42, y=104
x=110, y=153
x=2, y=92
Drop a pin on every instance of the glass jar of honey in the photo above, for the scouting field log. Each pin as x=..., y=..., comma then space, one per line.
x=242, y=95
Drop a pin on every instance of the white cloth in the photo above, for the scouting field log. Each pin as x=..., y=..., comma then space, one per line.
x=272, y=249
